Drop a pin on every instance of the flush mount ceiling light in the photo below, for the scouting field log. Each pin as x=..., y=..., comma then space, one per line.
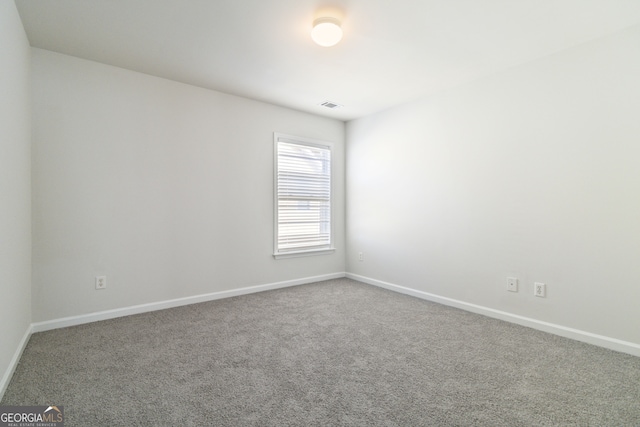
x=326, y=31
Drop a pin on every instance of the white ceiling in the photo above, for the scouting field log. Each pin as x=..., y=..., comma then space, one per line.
x=392, y=51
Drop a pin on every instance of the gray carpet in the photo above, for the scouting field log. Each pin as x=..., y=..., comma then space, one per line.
x=332, y=353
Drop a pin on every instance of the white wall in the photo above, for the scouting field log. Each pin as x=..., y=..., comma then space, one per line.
x=165, y=188
x=15, y=188
x=533, y=173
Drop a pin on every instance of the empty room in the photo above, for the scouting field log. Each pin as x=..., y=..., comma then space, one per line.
x=296, y=212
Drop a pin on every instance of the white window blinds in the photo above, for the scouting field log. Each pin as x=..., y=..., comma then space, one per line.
x=303, y=196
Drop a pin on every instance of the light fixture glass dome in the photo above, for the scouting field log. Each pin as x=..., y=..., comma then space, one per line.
x=326, y=31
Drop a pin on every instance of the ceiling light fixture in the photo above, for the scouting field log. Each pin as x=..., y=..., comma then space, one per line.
x=326, y=31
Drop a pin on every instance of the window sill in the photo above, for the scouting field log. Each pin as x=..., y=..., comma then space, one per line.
x=295, y=254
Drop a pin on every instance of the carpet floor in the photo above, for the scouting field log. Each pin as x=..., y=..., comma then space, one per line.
x=337, y=352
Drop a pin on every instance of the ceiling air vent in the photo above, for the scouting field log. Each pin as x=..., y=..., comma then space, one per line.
x=330, y=104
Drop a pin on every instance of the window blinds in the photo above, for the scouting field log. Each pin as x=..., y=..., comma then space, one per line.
x=303, y=196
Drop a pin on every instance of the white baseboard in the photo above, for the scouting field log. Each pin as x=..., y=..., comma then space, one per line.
x=161, y=305
x=578, y=335
x=6, y=378
x=599, y=340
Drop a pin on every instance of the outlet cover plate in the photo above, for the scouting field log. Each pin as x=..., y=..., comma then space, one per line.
x=101, y=282
x=540, y=289
x=512, y=284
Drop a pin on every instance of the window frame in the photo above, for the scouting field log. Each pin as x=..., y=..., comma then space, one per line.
x=291, y=139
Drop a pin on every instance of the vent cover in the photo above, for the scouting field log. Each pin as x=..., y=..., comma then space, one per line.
x=329, y=104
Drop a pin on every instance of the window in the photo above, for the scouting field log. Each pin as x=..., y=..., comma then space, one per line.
x=302, y=196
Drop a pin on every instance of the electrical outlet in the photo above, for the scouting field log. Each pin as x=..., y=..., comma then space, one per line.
x=360, y=256
x=540, y=289
x=101, y=282
x=512, y=284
